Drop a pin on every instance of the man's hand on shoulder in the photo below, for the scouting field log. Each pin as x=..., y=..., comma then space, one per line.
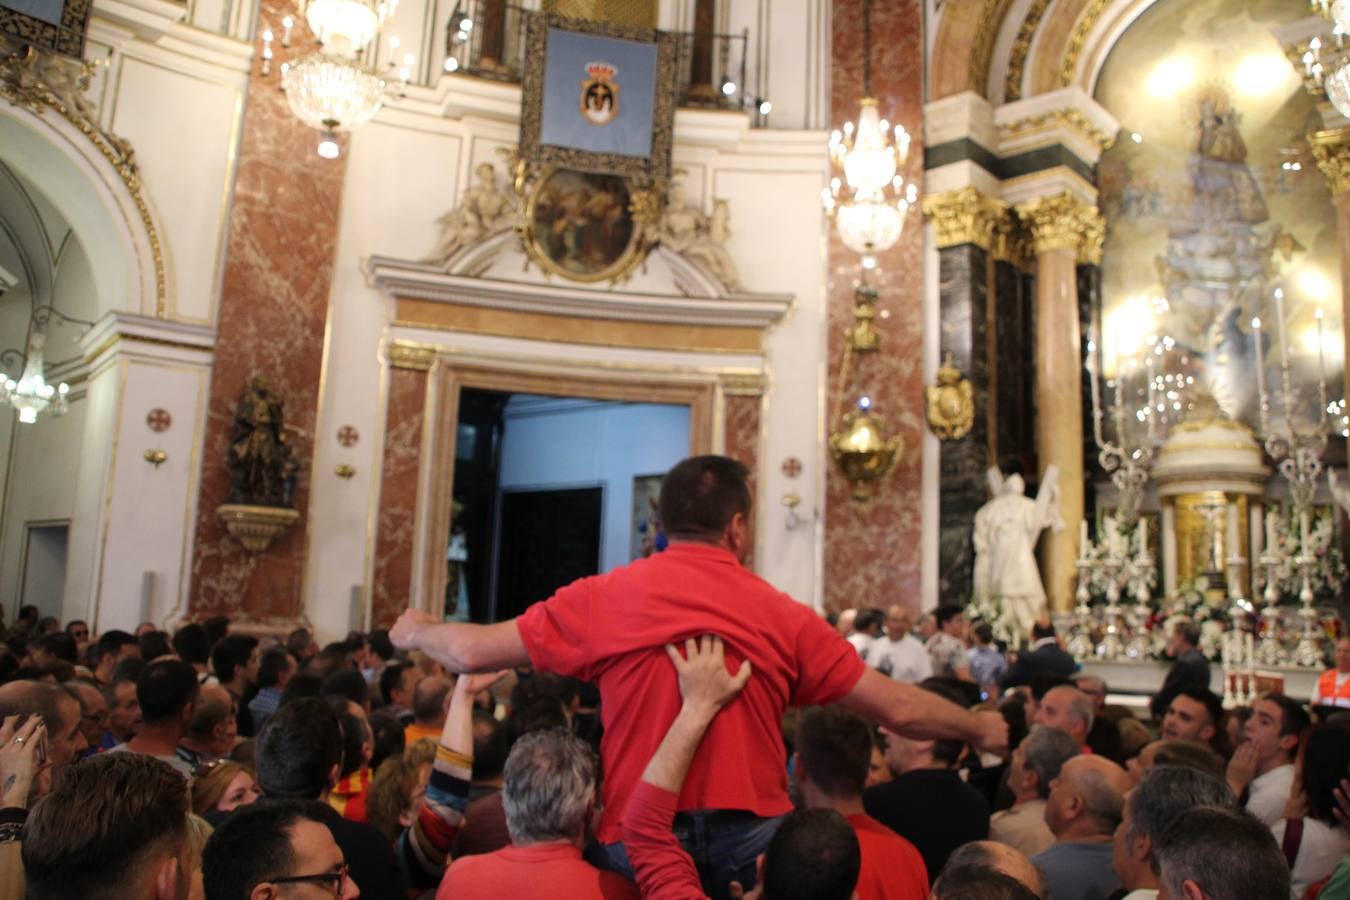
x=405, y=630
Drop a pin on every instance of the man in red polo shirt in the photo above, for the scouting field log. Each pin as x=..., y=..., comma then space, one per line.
x=612, y=629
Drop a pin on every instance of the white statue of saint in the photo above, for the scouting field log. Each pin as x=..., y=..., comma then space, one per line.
x=1006, y=531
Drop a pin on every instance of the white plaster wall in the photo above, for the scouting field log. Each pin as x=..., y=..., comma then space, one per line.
x=594, y=443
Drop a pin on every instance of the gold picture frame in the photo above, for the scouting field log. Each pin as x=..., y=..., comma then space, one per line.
x=585, y=226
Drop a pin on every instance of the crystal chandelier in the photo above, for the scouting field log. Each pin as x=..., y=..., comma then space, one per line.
x=331, y=90
x=31, y=395
x=1326, y=65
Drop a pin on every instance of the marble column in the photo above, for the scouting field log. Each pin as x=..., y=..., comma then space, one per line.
x=1060, y=225
x=392, y=583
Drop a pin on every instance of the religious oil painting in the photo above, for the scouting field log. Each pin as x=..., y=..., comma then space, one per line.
x=647, y=535
x=1221, y=235
x=580, y=225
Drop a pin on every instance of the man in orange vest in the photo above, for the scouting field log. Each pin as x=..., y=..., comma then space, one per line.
x=1333, y=688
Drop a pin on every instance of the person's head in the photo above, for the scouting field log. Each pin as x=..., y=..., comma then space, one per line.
x=490, y=746
x=167, y=693
x=549, y=788
x=357, y=743
x=299, y=753
x=235, y=659
x=301, y=644
x=1068, y=709
x=52, y=647
x=223, y=786
x=275, y=667
x=213, y=728
x=844, y=624
x=78, y=630
x=217, y=627
x=834, y=747
x=359, y=645
x=93, y=709
x=398, y=681
x=1343, y=654
x=982, y=633
x=925, y=626
x=275, y=850
x=905, y=754
x=388, y=739
x=1086, y=798
x=1095, y=688
x=707, y=499
x=1325, y=761
x=1276, y=727
x=301, y=684
x=1163, y=794
x=28, y=616
x=899, y=621
x=1037, y=761
x=869, y=622
x=396, y=790
x=1235, y=724
x=60, y=712
x=48, y=624
x=951, y=619
x=1041, y=629
x=430, y=699
x=1193, y=715
x=1219, y=853
x=988, y=870
x=348, y=683
x=877, y=770
x=814, y=855
x=113, y=827
x=192, y=645
x=1185, y=635
x=1189, y=754
x=113, y=647
x=154, y=644
x=381, y=648
x=124, y=712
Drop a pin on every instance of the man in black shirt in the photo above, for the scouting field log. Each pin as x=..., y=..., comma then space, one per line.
x=1190, y=669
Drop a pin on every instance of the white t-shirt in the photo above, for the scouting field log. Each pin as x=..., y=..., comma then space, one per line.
x=861, y=642
x=1318, y=852
x=903, y=660
x=1270, y=794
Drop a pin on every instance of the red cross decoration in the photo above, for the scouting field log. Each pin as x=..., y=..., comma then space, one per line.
x=792, y=467
x=348, y=436
x=158, y=419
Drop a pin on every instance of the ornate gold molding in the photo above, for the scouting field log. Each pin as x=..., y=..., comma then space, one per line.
x=964, y=217
x=1332, y=150
x=980, y=50
x=405, y=355
x=1011, y=243
x=1062, y=222
x=38, y=82
x=1094, y=239
x=743, y=385
x=1078, y=39
x=1069, y=118
x=1017, y=56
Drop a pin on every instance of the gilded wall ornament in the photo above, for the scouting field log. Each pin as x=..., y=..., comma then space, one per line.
x=484, y=209
x=964, y=217
x=1061, y=222
x=1332, y=150
x=951, y=403
x=1017, y=56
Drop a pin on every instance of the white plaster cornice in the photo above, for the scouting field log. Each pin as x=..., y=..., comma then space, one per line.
x=148, y=20
x=402, y=278
x=1067, y=116
x=122, y=333
x=964, y=115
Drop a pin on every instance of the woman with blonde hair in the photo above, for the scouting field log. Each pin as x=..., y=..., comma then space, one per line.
x=223, y=787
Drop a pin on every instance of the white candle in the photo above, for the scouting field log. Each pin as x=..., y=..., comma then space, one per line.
x=1083, y=539
x=1279, y=323
x=1112, y=542
x=1260, y=360
x=1270, y=531
x=1321, y=367
x=1251, y=652
x=1234, y=548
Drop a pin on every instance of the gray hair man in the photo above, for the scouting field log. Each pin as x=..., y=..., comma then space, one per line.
x=1035, y=763
x=1083, y=811
x=1163, y=795
x=1068, y=709
x=548, y=796
x=1220, y=853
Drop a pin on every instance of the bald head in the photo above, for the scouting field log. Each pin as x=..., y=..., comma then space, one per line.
x=429, y=699
x=899, y=620
x=1086, y=799
x=1001, y=858
x=60, y=712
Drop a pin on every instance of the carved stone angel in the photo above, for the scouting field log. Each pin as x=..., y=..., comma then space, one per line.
x=686, y=230
x=483, y=210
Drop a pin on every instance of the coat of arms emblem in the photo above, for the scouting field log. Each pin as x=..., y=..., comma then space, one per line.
x=599, y=94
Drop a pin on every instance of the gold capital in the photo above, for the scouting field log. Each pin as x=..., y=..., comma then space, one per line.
x=1064, y=222
x=1332, y=149
x=964, y=217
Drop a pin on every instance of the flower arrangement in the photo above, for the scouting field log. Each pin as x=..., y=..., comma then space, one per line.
x=1328, y=570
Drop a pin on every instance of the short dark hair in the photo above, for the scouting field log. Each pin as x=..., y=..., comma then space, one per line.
x=813, y=856
x=232, y=652
x=868, y=618
x=390, y=679
x=834, y=745
x=1165, y=792
x=380, y=644
x=983, y=632
x=700, y=496
x=1188, y=630
x=273, y=663
x=1213, y=705
x=946, y=612
x=297, y=750
x=387, y=736
x=93, y=835
x=192, y=645
x=56, y=643
x=209, y=713
x=1294, y=719
x=491, y=745
x=354, y=733
x=70, y=626
x=1042, y=630
x=164, y=688
x=1326, y=760
x=253, y=846
x=153, y=645
x=298, y=641
x=1225, y=850
x=347, y=683
x=29, y=698
x=302, y=684
x=110, y=643
x=1191, y=755
x=429, y=698
x=217, y=627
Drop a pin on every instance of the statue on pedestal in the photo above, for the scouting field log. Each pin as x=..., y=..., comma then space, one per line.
x=1006, y=531
x=261, y=464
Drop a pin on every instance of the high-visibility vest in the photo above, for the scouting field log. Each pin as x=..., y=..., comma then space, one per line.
x=1327, y=692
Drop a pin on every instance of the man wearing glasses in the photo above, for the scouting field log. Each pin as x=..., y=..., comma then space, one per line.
x=279, y=849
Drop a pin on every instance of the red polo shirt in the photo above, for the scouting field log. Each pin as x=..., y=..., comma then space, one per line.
x=612, y=629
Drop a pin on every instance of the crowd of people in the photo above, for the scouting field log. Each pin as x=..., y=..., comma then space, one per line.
x=676, y=728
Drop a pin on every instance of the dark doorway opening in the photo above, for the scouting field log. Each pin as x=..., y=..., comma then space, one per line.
x=548, y=539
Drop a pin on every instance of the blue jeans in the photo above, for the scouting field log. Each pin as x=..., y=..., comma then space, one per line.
x=724, y=845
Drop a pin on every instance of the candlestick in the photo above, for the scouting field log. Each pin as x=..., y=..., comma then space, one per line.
x=1234, y=547
x=1260, y=365
x=1083, y=539
x=1304, y=529
x=286, y=25
x=1279, y=324
x=1120, y=397
x=1321, y=368
x=1112, y=538
x=1141, y=535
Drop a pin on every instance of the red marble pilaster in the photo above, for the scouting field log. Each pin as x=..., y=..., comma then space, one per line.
x=872, y=555
x=398, y=496
x=273, y=307
x=742, y=443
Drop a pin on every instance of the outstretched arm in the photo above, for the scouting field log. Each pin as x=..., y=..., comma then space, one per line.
x=662, y=867
x=914, y=712
x=461, y=647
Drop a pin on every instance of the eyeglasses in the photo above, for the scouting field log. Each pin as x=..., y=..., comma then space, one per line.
x=337, y=879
